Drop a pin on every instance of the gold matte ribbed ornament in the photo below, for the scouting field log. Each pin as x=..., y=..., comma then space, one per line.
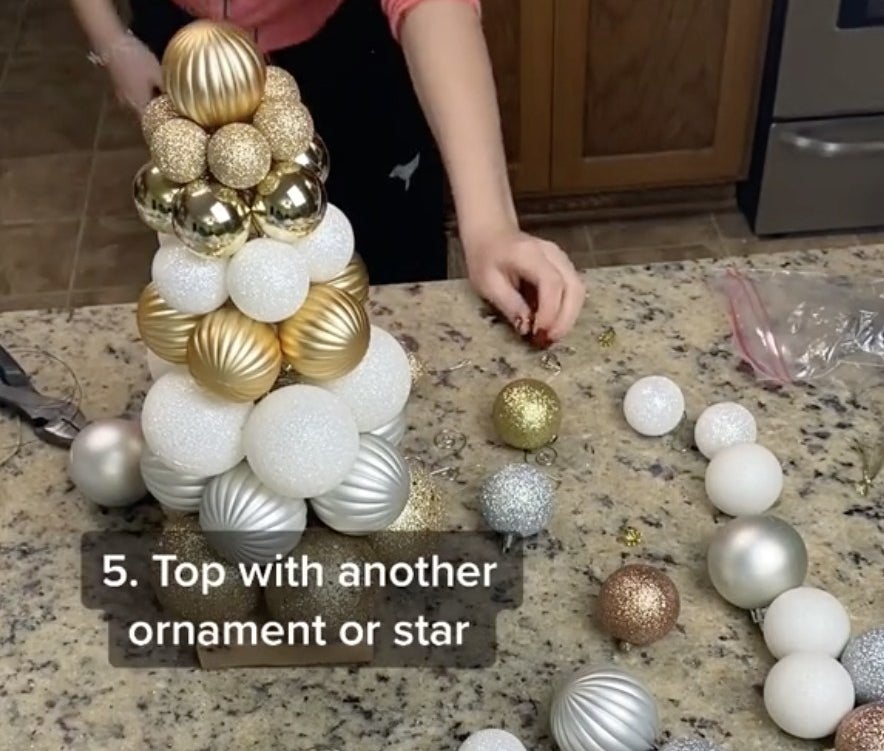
x=316, y=158
x=178, y=148
x=281, y=84
x=213, y=73
x=289, y=203
x=164, y=331
x=287, y=125
x=328, y=336
x=239, y=156
x=353, y=279
x=638, y=605
x=211, y=219
x=862, y=729
x=154, y=198
x=159, y=110
x=233, y=356
x=527, y=414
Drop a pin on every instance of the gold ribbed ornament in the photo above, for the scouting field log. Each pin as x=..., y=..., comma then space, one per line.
x=288, y=126
x=328, y=336
x=281, y=84
x=154, y=198
x=165, y=331
x=178, y=149
x=239, y=156
x=159, y=110
x=315, y=158
x=353, y=279
x=213, y=73
x=211, y=219
x=289, y=203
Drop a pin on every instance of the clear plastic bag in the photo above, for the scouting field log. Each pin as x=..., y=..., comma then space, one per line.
x=802, y=326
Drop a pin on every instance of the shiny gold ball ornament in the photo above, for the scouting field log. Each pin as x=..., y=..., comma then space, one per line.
x=164, y=331
x=289, y=203
x=213, y=73
x=328, y=336
x=862, y=729
x=353, y=279
x=159, y=110
x=178, y=148
x=211, y=219
x=527, y=414
x=281, y=84
x=239, y=156
x=638, y=605
x=316, y=158
x=288, y=126
x=233, y=356
x=154, y=198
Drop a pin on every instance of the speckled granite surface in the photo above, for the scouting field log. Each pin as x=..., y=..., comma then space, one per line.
x=57, y=690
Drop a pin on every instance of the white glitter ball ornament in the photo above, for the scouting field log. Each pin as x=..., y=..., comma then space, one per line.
x=743, y=480
x=517, y=500
x=329, y=248
x=807, y=694
x=492, y=740
x=268, y=280
x=806, y=619
x=654, y=406
x=301, y=441
x=864, y=660
x=190, y=429
x=723, y=425
x=158, y=367
x=188, y=282
x=378, y=388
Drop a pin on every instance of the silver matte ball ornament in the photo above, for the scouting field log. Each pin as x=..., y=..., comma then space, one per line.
x=690, y=744
x=604, y=709
x=863, y=658
x=105, y=462
x=244, y=521
x=373, y=494
x=393, y=431
x=174, y=489
x=753, y=559
x=517, y=501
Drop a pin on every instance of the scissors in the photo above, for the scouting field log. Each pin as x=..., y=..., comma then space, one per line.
x=55, y=421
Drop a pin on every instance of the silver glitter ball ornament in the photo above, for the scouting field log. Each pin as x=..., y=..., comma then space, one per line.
x=105, y=462
x=393, y=431
x=244, y=521
x=372, y=495
x=517, y=500
x=604, y=709
x=690, y=744
x=175, y=490
x=863, y=658
x=753, y=559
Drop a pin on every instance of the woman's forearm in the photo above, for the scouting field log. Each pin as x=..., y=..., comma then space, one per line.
x=449, y=65
x=100, y=22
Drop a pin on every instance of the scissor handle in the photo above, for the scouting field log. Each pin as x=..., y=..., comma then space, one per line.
x=12, y=373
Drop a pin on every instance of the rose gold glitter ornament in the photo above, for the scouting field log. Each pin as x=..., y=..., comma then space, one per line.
x=638, y=605
x=862, y=729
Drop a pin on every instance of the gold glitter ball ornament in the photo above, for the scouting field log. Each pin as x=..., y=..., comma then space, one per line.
x=638, y=605
x=211, y=219
x=289, y=203
x=353, y=279
x=164, y=330
x=315, y=159
x=862, y=729
x=159, y=110
x=288, y=127
x=239, y=156
x=178, y=148
x=281, y=84
x=233, y=356
x=527, y=414
x=213, y=73
x=154, y=198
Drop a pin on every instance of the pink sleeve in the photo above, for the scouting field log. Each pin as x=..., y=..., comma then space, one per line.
x=396, y=10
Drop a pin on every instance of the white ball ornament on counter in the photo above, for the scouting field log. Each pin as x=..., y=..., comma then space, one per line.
x=104, y=462
x=654, y=406
x=723, y=425
x=330, y=247
x=492, y=740
x=188, y=282
x=191, y=429
x=864, y=660
x=301, y=441
x=806, y=619
x=807, y=694
x=744, y=479
x=173, y=489
x=268, y=280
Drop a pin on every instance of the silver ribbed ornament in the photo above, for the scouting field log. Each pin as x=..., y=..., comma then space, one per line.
x=245, y=521
x=690, y=744
x=604, y=709
x=393, y=431
x=174, y=490
x=863, y=658
x=373, y=494
x=517, y=501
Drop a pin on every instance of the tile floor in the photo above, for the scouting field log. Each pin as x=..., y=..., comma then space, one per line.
x=68, y=233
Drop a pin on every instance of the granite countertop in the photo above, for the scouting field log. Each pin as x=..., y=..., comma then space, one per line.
x=58, y=690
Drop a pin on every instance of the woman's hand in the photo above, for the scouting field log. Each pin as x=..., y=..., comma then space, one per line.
x=500, y=264
x=134, y=71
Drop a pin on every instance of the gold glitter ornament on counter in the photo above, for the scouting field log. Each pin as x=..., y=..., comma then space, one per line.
x=638, y=605
x=154, y=198
x=164, y=330
x=211, y=219
x=281, y=84
x=239, y=156
x=315, y=159
x=862, y=729
x=178, y=149
x=159, y=110
x=288, y=127
x=353, y=279
x=527, y=414
x=289, y=203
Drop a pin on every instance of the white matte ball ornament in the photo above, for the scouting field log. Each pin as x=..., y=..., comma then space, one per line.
x=301, y=441
x=191, y=429
x=807, y=694
x=329, y=248
x=188, y=282
x=806, y=619
x=105, y=462
x=268, y=280
x=723, y=425
x=378, y=388
x=654, y=406
x=743, y=480
x=492, y=740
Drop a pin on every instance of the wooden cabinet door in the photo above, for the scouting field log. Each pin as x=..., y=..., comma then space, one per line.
x=520, y=42
x=652, y=93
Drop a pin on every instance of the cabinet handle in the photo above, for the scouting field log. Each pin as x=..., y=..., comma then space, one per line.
x=827, y=148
